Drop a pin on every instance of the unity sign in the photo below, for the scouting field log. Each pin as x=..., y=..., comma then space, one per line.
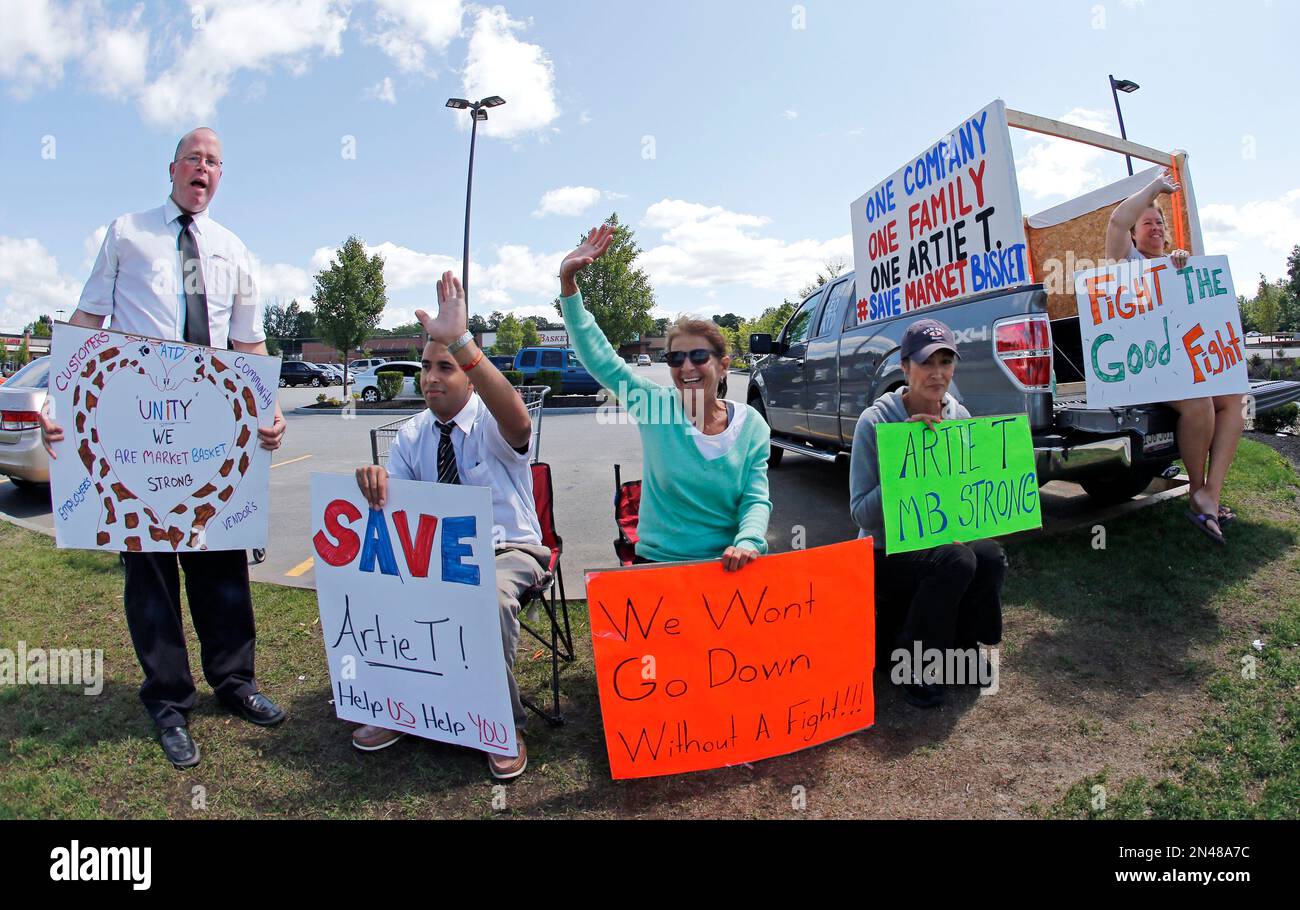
x=945, y=226
x=1154, y=333
x=413, y=642
x=700, y=668
x=963, y=480
x=160, y=449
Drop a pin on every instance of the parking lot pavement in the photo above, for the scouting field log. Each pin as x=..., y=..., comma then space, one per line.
x=809, y=497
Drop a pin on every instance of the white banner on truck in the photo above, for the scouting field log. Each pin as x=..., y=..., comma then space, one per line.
x=946, y=225
x=1153, y=333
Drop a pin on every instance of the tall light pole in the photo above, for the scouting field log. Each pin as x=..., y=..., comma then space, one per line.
x=1128, y=88
x=478, y=111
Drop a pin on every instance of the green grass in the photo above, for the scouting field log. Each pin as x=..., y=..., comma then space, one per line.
x=1242, y=759
x=1159, y=612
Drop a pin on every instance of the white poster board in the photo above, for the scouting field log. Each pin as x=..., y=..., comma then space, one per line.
x=1153, y=333
x=408, y=608
x=160, y=449
x=946, y=225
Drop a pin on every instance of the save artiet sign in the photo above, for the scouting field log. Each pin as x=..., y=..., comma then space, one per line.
x=944, y=226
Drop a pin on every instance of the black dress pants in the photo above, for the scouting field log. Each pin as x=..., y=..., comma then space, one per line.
x=945, y=597
x=221, y=608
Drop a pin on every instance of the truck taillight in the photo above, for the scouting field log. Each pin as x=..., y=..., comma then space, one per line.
x=18, y=420
x=1023, y=348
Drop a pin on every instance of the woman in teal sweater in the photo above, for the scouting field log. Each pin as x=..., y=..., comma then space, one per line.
x=704, y=482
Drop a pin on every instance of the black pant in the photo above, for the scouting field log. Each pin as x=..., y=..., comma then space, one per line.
x=944, y=597
x=221, y=608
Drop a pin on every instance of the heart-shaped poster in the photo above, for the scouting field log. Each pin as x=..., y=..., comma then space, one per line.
x=178, y=443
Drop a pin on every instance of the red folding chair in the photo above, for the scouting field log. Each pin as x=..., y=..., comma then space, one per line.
x=627, y=509
x=560, y=644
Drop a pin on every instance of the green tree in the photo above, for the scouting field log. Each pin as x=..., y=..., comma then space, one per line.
x=542, y=324
x=350, y=298
x=616, y=293
x=661, y=327
x=528, y=334
x=23, y=356
x=1247, y=310
x=41, y=328
x=770, y=322
x=510, y=336
x=273, y=326
x=830, y=270
x=729, y=321
x=477, y=325
x=1266, y=309
x=494, y=321
x=1293, y=271
x=305, y=324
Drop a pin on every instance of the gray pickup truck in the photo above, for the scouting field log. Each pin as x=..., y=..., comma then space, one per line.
x=826, y=367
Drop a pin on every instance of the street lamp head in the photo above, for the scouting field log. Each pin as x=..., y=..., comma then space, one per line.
x=493, y=101
x=1124, y=85
x=459, y=104
x=480, y=114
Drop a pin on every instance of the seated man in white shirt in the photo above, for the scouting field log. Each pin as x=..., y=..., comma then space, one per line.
x=478, y=434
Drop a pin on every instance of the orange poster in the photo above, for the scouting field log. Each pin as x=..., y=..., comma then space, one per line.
x=699, y=668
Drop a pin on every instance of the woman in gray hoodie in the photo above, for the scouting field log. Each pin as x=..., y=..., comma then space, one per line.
x=948, y=596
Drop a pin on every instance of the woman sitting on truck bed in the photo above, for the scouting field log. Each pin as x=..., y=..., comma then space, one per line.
x=1208, y=428
x=704, y=485
x=948, y=596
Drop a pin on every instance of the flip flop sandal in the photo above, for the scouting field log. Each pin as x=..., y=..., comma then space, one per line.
x=1226, y=516
x=1201, y=520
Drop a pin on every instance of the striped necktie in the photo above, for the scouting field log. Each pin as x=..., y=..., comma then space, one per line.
x=447, y=472
x=196, y=297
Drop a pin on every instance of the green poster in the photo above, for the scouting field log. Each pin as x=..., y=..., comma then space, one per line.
x=964, y=480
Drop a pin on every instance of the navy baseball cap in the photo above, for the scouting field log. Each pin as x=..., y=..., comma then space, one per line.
x=924, y=337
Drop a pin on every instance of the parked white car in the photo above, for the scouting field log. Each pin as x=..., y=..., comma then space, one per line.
x=360, y=366
x=366, y=383
x=643, y=360
x=22, y=456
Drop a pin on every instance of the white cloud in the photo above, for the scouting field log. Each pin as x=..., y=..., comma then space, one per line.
x=283, y=282
x=92, y=244
x=408, y=27
x=31, y=284
x=584, y=118
x=517, y=270
x=383, y=91
x=36, y=39
x=791, y=115
x=709, y=246
x=567, y=201
x=498, y=63
x=238, y=35
x=1055, y=167
x=116, y=63
x=1257, y=236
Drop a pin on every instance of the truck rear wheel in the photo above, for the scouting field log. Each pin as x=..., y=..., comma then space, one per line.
x=775, y=453
x=1111, y=489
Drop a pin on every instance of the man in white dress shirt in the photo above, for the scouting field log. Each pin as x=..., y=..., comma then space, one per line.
x=476, y=431
x=175, y=274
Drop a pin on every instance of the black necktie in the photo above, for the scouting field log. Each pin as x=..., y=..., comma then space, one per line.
x=447, y=472
x=196, y=295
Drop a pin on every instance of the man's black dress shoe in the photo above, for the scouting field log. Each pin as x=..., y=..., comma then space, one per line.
x=257, y=709
x=181, y=749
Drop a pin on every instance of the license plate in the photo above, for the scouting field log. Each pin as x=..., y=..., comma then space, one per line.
x=1157, y=441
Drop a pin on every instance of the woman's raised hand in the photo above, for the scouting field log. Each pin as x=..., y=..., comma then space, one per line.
x=588, y=251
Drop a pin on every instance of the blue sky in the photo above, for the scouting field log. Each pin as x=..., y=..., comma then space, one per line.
x=730, y=134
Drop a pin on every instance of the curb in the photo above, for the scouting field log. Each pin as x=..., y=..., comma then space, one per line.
x=26, y=525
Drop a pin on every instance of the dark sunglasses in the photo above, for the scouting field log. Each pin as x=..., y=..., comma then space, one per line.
x=699, y=357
